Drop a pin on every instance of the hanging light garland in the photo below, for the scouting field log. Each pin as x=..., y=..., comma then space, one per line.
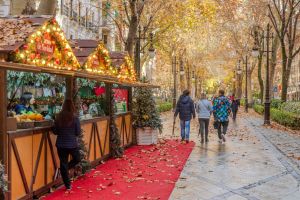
x=99, y=62
x=48, y=47
x=127, y=72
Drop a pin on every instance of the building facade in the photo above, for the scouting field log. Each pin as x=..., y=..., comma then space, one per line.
x=80, y=19
x=4, y=8
x=294, y=81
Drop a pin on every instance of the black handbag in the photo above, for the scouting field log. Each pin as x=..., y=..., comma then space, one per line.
x=216, y=125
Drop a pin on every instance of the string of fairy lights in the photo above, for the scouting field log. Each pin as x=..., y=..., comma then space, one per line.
x=99, y=62
x=127, y=72
x=48, y=47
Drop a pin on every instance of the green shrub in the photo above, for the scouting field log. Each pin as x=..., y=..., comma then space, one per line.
x=293, y=107
x=282, y=117
x=242, y=102
x=276, y=103
x=164, y=107
x=285, y=118
x=258, y=108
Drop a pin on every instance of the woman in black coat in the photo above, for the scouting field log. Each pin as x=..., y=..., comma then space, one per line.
x=67, y=128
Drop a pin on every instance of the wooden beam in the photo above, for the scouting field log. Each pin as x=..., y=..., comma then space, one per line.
x=3, y=116
x=69, y=87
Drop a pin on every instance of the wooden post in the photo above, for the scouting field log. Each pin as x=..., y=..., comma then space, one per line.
x=69, y=87
x=3, y=116
x=130, y=94
x=129, y=99
x=108, y=90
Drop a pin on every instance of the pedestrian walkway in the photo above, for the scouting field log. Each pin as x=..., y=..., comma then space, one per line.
x=255, y=163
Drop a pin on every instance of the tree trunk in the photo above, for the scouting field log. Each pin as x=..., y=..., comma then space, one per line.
x=47, y=7
x=131, y=35
x=260, y=79
x=25, y=7
x=133, y=27
x=285, y=77
x=273, y=62
x=249, y=88
x=285, y=80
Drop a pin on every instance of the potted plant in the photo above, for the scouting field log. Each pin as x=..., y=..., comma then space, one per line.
x=146, y=119
x=3, y=181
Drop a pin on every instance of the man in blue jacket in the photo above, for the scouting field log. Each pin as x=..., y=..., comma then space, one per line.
x=186, y=109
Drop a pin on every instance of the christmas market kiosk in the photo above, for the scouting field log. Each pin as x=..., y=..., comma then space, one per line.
x=38, y=69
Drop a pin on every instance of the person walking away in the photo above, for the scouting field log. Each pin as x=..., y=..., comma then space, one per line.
x=67, y=128
x=204, y=110
x=221, y=110
x=235, y=104
x=186, y=109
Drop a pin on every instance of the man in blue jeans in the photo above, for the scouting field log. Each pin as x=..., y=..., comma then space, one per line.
x=186, y=109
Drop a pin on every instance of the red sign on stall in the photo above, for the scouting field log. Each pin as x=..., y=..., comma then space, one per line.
x=45, y=46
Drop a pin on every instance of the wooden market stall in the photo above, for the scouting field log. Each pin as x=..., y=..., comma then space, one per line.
x=37, y=44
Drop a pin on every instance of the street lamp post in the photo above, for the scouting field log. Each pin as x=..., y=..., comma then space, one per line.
x=246, y=84
x=181, y=75
x=239, y=73
x=138, y=51
x=234, y=83
x=174, y=67
x=267, y=87
x=138, y=54
x=267, y=94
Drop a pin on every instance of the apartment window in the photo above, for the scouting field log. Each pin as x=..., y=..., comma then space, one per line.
x=71, y=8
x=86, y=17
x=105, y=39
x=65, y=10
x=92, y=17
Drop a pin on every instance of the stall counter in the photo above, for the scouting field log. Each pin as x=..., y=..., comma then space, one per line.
x=33, y=161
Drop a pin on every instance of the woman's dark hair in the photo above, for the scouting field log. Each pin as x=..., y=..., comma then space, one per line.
x=25, y=98
x=65, y=117
x=222, y=92
x=186, y=92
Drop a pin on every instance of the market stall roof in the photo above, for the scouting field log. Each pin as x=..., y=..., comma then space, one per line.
x=15, y=29
x=37, y=41
x=83, y=48
x=117, y=57
x=37, y=44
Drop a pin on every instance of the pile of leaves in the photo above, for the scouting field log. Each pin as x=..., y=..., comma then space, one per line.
x=145, y=113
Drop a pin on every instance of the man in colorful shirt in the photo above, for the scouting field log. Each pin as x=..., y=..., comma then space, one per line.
x=221, y=110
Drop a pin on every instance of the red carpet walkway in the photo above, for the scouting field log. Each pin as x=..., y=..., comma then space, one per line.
x=145, y=172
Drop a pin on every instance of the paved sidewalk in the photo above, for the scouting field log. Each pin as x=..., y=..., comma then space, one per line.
x=255, y=163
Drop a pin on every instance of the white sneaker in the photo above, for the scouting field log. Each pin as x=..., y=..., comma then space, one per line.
x=223, y=137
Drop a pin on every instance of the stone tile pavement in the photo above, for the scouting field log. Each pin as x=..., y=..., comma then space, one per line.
x=254, y=164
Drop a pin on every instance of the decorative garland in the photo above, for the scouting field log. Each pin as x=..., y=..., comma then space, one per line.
x=99, y=62
x=115, y=139
x=126, y=71
x=48, y=47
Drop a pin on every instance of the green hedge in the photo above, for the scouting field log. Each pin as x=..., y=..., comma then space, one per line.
x=293, y=107
x=276, y=103
x=285, y=118
x=164, y=107
x=258, y=108
x=281, y=117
